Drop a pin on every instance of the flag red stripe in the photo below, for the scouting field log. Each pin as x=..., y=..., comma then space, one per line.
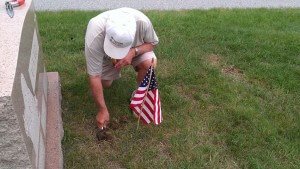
x=137, y=98
x=148, y=110
x=140, y=91
x=151, y=93
x=142, y=116
x=151, y=98
x=158, y=117
x=147, y=113
x=155, y=108
x=159, y=111
x=148, y=106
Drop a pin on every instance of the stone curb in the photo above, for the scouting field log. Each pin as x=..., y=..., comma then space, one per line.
x=55, y=132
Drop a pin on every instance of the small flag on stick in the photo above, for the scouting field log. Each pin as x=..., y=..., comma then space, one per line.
x=145, y=103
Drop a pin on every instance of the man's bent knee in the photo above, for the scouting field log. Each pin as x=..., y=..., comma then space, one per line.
x=106, y=83
x=146, y=64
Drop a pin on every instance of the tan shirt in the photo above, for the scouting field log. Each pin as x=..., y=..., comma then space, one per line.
x=95, y=35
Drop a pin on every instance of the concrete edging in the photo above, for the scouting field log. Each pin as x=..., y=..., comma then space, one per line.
x=54, y=156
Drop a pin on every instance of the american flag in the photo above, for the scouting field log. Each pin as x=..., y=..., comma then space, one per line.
x=145, y=103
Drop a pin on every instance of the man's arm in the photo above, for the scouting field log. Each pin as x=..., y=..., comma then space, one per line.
x=146, y=47
x=97, y=91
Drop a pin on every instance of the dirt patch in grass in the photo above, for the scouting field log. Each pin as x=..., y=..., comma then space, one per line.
x=214, y=60
x=114, y=165
x=115, y=124
x=163, y=151
x=106, y=134
x=232, y=70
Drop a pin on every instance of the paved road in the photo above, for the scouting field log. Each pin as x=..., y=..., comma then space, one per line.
x=54, y=5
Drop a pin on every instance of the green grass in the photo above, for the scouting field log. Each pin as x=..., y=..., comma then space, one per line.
x=229, y=82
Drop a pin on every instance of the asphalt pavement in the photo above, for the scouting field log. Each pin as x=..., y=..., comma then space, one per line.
x=57, y=5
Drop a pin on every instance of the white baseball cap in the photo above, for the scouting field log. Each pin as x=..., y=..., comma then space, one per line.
x=120, y=33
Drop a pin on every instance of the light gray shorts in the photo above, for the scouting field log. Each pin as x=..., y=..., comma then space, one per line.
x=109, y=72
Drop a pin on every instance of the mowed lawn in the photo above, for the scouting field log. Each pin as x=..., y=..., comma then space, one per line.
x=229, y=82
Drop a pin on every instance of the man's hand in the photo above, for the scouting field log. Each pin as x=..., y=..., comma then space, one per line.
x=102, y=118
x=126, y=60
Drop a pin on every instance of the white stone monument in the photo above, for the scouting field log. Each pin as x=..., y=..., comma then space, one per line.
x=30, y=114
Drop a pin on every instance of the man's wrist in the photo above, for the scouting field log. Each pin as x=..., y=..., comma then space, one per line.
x=133, y=53
x=102, y=107
x=136, y=51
